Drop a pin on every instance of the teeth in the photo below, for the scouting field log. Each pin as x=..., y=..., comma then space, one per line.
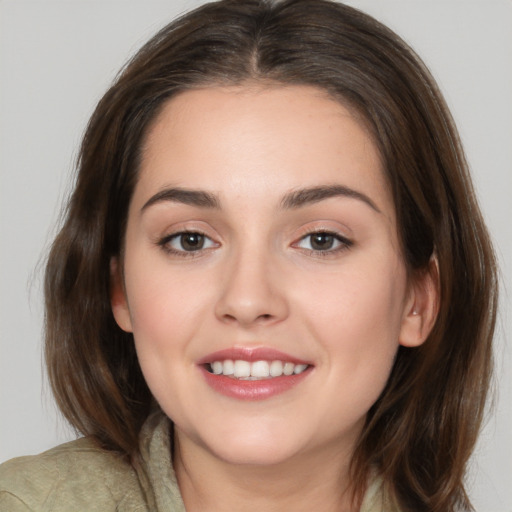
x=288, y=368
x=242, y=369
x=257, y=370
x=276, y=368
x=217, y=367
x=228, y=368
x=260, y=369
x=299, y=368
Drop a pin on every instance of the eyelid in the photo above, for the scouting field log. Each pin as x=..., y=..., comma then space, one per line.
x=167, y=230
x=345, y=242
x=336, y=237
x=176, y=236
x=164, y=242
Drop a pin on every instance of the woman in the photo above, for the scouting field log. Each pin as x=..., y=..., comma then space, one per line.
x=273, y=242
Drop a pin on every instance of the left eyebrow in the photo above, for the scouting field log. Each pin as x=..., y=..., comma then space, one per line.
x=305, y=196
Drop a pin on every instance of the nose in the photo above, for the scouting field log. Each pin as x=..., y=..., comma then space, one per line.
x=252, y=292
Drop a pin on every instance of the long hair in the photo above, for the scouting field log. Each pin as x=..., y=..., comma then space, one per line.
x=420, y=433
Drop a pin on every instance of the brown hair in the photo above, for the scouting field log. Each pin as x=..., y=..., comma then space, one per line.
x=420, y=433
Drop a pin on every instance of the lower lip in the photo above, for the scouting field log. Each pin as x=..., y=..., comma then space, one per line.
x=252, y=389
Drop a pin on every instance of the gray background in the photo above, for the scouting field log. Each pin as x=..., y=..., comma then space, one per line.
x=56, y=60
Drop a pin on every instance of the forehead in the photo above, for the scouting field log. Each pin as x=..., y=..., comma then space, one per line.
x=252, y=140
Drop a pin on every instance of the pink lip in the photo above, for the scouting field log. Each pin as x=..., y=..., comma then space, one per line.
x=251, y=354
x=251, y=389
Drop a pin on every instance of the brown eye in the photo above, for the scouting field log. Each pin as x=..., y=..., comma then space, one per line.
x=191, y=241
x=322, y=241
x=186, y=242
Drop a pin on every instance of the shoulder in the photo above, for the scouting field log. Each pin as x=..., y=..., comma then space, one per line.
x=74, y=476
x=377, y=498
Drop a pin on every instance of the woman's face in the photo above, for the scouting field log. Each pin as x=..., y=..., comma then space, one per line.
x=262, y=238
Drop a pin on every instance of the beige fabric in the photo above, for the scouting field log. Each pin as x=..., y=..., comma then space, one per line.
x=80, y=476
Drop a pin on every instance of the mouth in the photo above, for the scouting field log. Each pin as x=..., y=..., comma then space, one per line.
x=257, y=370
x=247, y=373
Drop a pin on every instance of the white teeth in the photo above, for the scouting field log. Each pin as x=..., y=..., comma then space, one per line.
x=276, y=369
x=228, y=367
x=288, y=368
x=299, y=368
x=257, y=370
x=242, y=369
x=217, y=367
x=260, y=369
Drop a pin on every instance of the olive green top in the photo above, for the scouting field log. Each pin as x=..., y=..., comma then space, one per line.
x=80, y=476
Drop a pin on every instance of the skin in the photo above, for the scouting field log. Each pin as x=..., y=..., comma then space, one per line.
x=257, y=281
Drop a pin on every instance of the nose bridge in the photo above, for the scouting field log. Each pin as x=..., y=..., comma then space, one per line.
x=251, y=291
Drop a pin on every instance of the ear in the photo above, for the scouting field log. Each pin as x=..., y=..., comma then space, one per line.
x=422, y=306
x=118, y=301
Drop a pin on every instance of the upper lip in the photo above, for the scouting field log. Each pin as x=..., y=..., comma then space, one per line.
x=251, y=354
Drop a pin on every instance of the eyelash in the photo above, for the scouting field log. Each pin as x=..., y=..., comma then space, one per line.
x=344, y=244
x=164, y=243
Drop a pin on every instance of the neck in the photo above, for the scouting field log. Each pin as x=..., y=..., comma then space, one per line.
x=309, y=482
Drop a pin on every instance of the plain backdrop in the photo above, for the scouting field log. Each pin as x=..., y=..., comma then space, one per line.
x=56, y=60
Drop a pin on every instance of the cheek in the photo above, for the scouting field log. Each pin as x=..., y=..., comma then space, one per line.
x=356, y=317
x=167, y=311
x=164, y=315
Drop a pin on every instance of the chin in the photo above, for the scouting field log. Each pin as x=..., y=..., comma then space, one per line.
x=254, y=454
x=255, y=446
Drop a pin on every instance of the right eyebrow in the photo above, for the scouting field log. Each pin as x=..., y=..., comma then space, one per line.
x=198, y=198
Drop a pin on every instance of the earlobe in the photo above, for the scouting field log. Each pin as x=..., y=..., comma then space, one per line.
x=118, y=301
x=422, y=306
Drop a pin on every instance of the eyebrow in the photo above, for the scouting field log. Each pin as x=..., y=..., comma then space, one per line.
x=292, y=200
x=197, y=198
x=304, y=196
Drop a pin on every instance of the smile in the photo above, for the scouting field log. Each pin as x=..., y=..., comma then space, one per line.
x=256, y=370
x=253, y=373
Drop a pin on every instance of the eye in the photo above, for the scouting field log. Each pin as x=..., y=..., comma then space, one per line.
x=323, y=241
x=186, y=241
